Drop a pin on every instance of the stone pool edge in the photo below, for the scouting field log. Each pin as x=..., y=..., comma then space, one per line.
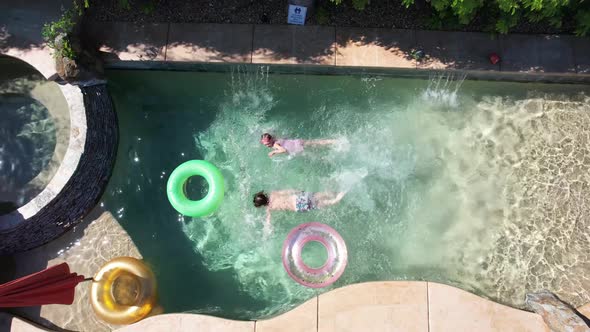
x=412, y=306
x=540, y=58
x=83, y=173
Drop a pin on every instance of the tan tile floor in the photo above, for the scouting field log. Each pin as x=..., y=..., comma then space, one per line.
x=299, y=319
x=341, y=46
x=375, y=47
x=290, y=44
x=374, y=306
x=209, y=42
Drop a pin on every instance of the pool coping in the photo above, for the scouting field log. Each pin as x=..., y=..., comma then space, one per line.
x=85, y=169
x=539, y=58
x=411, y=306
x=77, y=137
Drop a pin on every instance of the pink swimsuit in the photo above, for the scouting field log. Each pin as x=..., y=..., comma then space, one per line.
x=293, y=146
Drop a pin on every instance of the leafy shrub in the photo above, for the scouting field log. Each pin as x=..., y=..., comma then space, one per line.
x=147, y=7
x=65, y=25
x=125, y=4
x=464, y=10
x=505, y=14
x=62, y=27
x=357, y=4
x=505, y=22
x=322, y=16
x=583, y=22
x=80, y=5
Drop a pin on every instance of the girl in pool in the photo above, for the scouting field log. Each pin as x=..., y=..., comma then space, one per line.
x=291, y=146
x=295, y=200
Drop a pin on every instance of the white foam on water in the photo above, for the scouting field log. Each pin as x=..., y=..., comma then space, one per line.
x=445, y=188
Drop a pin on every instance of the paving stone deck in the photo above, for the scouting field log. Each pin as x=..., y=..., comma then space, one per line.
x=187, y=322
x=582, y=54
x=209, y=43
x=121, y=41
x=375, y=47
x=454, y=310
x=549, y=56
x=457, y=50
x=390, y=306
x=539, y=53
x=404, y=306
x=16, y=324
x=293, y=44
x=300, y=319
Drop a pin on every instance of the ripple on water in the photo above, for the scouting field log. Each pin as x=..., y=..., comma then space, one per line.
x=473, y=185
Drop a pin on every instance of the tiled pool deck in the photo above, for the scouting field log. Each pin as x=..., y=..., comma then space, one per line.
x=546, y=57
x=376, y=306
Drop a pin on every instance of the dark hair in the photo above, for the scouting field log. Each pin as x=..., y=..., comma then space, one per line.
x=266, y=135
x=260, y=199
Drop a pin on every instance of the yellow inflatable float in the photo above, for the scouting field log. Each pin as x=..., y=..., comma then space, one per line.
x=123, y=291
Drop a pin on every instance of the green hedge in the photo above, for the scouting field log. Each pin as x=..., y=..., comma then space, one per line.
x=505, y=14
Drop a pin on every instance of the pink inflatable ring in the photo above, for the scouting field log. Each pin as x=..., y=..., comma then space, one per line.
x=330, y=239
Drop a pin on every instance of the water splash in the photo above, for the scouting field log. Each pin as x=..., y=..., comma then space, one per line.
x=467, y=197
x=437, y=201
x=443, y=89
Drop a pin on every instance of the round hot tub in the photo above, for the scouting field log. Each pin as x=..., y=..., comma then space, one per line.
x=34, y=132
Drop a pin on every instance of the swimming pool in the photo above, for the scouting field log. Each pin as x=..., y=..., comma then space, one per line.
x=481, y=185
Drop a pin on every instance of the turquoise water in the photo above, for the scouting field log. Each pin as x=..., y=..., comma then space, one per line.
x=481, y=185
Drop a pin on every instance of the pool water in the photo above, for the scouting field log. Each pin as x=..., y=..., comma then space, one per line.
x=34, y=132
x=481, y=185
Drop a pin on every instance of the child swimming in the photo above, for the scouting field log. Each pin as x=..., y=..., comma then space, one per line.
x=295, y=200
x=291, y=146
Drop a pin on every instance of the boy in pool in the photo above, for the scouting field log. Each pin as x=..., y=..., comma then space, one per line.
x=291, y=146
x=295, y=200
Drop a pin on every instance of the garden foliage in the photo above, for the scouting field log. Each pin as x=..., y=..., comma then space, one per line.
x=505, y=14
x=62, y=27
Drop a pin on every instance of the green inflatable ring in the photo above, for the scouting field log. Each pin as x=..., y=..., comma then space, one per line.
x=177, y=195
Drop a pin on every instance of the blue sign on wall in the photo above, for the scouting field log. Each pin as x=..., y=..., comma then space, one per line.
x=296, y=15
